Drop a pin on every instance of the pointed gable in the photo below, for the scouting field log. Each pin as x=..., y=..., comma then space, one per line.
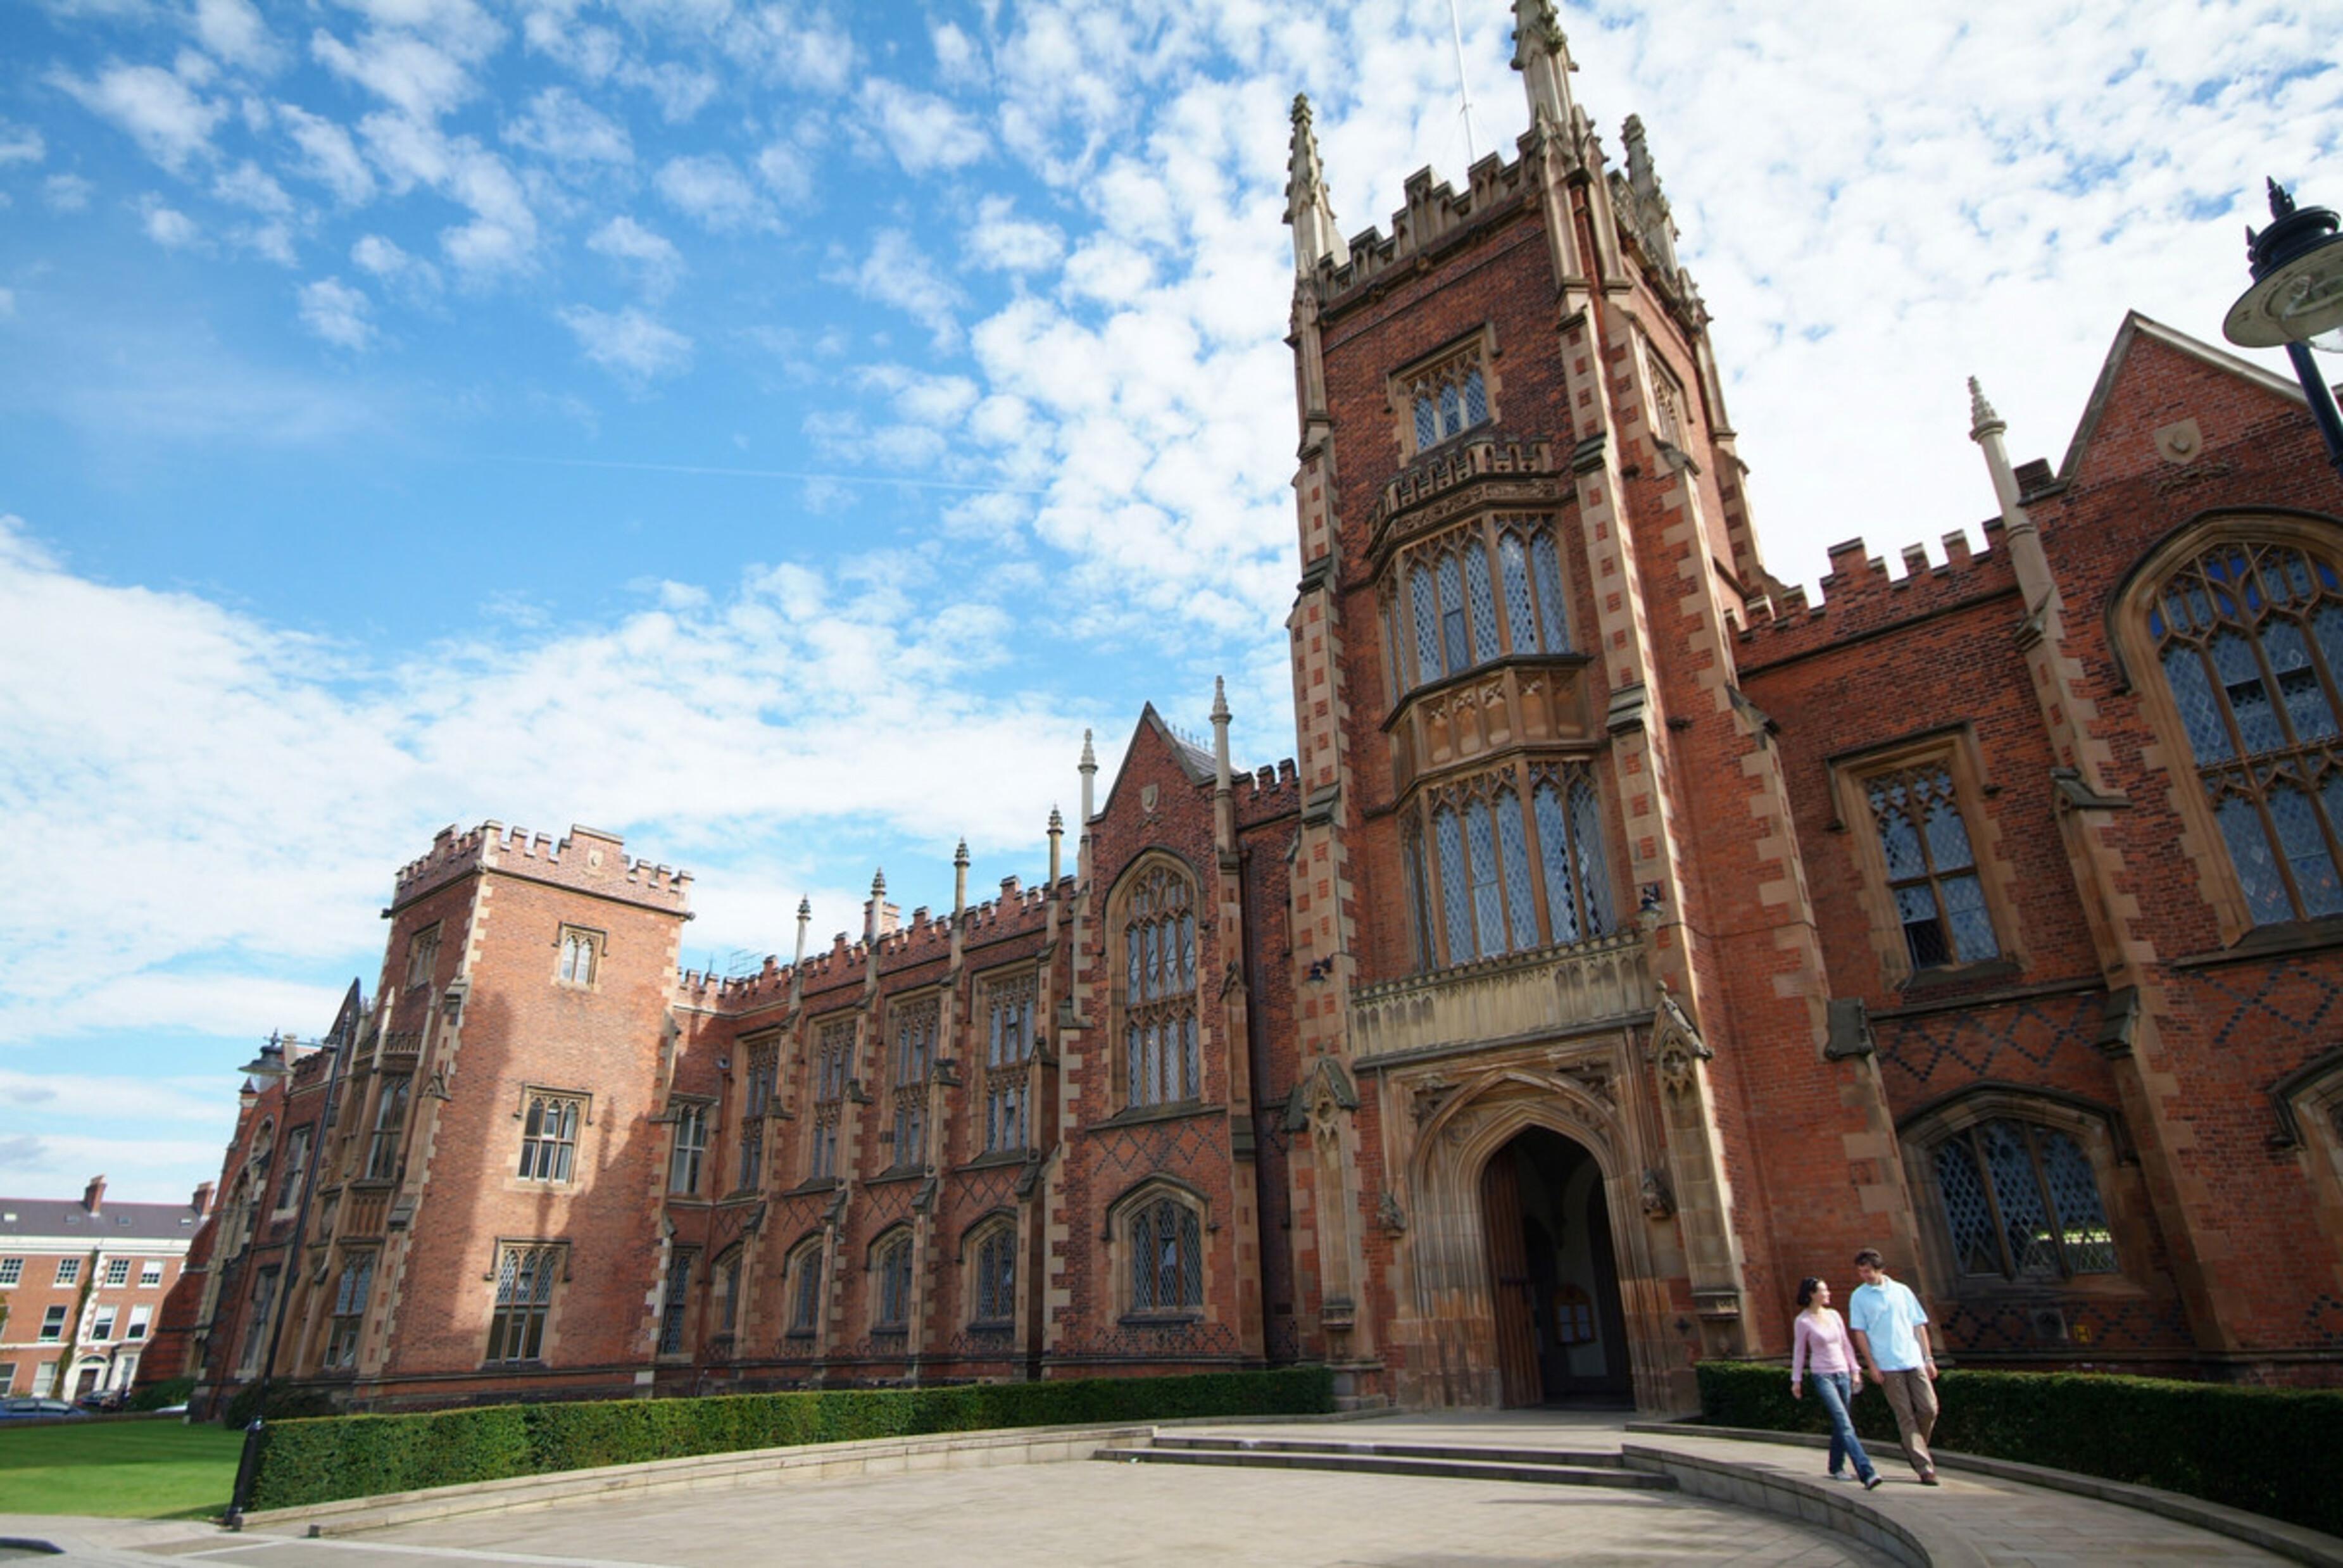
x=2155, y=378
x=1157, y=752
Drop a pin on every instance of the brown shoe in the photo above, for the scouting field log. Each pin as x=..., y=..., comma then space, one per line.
x=1929, y=1478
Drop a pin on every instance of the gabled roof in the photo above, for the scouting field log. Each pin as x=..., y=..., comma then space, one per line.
x=1194, y=760
x=2136, y=327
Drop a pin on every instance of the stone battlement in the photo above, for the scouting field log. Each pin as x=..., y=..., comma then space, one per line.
x=1858, y=595
x=584, y=858
x=1434, y=212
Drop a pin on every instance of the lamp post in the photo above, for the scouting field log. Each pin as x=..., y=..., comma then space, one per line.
x=2297, y=294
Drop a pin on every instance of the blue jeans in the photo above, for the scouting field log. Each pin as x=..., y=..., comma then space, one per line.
x=1835, y=1390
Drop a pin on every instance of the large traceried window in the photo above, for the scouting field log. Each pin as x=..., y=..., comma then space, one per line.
x=390, y=1121
x=1931, y=871
x=548, y=1138
x=1167, y=1257
x=526, y=1275
x=913, y=1061
x=2021, y=1200
x=1476, y=594
x=1008, y=1049
x=1446, y=397
x=1493, y=875
x=2249, y=635
x=833, y=1067
x=1161, y=1061
x=805, y=1277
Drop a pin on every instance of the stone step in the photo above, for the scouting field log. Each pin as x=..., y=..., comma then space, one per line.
x=1368, y=1462
x=1595, y=1458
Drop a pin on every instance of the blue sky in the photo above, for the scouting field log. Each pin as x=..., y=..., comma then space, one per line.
x=776, y=432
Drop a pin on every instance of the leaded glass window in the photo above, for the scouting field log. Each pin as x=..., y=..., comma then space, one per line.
x=1488, y=897
x=833, y=1070
x=1167, y=1258
x=351, y=1293
x=672, y=1302
x=2021, y=1200
x=1484, y=603
x=1448, y=398
x=1514, y=847
x=894, y=1309
x=548, y=1138
x=1008, y=1047
x=1594, y=878
x=996, y=1275
x=525, y=1281
x=1425, y=607
x=1932, y=874
x=1490, y=856
x=1160, y=1061
x=1521, y=609
x=2249, y=635
x=805, y=1289
x=579, y=951
x=390, y=1121
x=691, y=1147
x=1452, y=640
x=1450, y=836
x=1464, y=609
x=1546, y=571
x=756, y=1102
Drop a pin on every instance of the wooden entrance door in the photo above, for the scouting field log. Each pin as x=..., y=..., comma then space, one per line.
x=1510, y=1289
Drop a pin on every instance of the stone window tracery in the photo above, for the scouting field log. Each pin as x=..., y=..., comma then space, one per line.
x=805, y=1272
x=1008, y=1050
x=1167, y=1256
x=833, y=1069
x=548, y=1138
x=994, y=1294
x=422, y=955
x=527, y=1272
x=893, y=1311
x=1446, y=397
x=351, y=1294
x=1476, y=594
x=1162, y=1060
x=2250, y=636
x=581, y=956
x=673, y=1300
x=390, y=1121
x=1493, y=876
x=756, y=1102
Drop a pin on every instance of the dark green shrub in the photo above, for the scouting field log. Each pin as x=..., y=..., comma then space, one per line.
x=168, y=1391
x=283, y=1404
x=320, y=1461
x=2269, y=1450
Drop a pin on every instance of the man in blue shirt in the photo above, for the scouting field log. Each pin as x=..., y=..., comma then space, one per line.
x=1890, y=1331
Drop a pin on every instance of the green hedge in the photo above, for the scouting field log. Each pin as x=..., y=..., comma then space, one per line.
x=2269, y=1450
x=155, y=1395
x=320, y=1460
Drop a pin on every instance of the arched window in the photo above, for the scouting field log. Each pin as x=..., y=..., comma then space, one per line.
x=1476, y=594
x=1447, y=397
x=1008, y=1052
x=581, y=951
x=525, y=1276
x=2250, y=636
x=994, y=1296
x=914, y=1057
x=892, y=1312
x=351, y=1294
x=805, y=1273
x=548, y=1140
x=728, y=1291
x=2021, y=1200
x=1161, y=1061
x=1167, y=1257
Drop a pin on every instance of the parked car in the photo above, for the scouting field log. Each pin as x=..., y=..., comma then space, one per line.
x=105, y=1398
x=40, y=1410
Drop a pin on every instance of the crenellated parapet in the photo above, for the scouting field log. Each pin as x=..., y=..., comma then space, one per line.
x=1860, y=597
x=1267, y=794
x=1436, y=219
x=584, y=858
x=1457, y=479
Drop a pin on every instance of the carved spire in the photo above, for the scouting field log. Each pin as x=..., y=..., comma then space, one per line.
x=1224, y=809
x=1541, y=55
x=1090, y=781
x=1307, y=208
x=1982, y=420
x=2035, y=582
x=959, y=880
x=1057, y=837
x=1655, y=226
x=805, y=918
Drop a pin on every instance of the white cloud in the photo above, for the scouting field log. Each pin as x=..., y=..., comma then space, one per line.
x=925, y=133
x=408, y=276
x=959, y=60
x=708, y=189
x=170, y=122
x=272, y=241
x=20, y=145
x=337, y=313
x=67, y=193
x=234, y=30
x=564, y=127
x=328, y=156
x=897, y=273
x=787, y=169
x=1007, y=243
x=629, y=343
x=418, y=78
x=651, y=257
x=246, y=185
x=502, y=238
x=167, y=227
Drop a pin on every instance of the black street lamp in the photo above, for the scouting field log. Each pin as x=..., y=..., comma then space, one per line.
x=2297, y=294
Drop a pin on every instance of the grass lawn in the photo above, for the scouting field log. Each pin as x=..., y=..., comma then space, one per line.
x=161, y=1469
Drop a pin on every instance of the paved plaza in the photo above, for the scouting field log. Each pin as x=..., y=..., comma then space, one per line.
x=1088, y=1513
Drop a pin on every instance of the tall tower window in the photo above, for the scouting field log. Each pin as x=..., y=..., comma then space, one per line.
x=1161, y=1060
x=1008, y=1047
x=833, y=1067
x=915, y=1053
x=1447, y=397
x=1932, y=872
x=1496, y=876
x=1474, y=595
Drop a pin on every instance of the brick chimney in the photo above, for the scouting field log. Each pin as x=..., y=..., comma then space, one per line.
x=94, y=1195
x=202, y=1201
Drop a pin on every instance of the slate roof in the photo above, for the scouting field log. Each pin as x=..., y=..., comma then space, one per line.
x=23, y=1217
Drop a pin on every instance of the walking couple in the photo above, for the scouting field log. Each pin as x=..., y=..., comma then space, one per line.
x=1890, y=1334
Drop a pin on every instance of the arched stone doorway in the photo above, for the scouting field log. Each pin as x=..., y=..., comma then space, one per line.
x=1554, y=1273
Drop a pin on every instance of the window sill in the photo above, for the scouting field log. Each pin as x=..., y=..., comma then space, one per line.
x=816, y=1184
x=1139, y=1115
x=997, y=1158
x=1955, y=976
x=1161, y=1320
x=1569, y=658
x=2271, y=941
x=895, y=1173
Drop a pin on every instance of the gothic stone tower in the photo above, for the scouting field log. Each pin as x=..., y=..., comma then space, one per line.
x=1564, y=1032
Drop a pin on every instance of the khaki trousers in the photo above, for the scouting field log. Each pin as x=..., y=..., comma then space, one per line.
x=1913, y=1398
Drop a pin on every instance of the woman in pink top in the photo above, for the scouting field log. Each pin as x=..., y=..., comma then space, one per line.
x=1819, y=1342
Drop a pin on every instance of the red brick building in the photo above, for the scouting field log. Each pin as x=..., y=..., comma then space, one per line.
x=1629, y=939
x=82, y=1284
